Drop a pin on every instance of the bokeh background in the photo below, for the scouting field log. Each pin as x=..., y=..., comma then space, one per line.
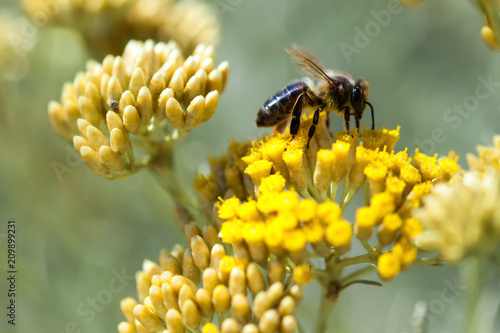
x=74, y=235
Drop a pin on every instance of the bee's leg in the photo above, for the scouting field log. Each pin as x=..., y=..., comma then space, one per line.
x=297, y=111
x=347, y=118
x=373, y=119
x=312, y=129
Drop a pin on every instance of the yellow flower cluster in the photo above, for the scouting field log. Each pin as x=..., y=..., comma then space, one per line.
x=463, y=218
x=147, y=98
x=107, y=25
x=190, y=288
x=293, y=203
x=280, y=223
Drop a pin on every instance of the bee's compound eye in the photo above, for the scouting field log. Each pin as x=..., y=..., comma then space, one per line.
x=357, y=95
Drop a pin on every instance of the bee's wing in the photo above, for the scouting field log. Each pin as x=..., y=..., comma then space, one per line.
x=309, y=63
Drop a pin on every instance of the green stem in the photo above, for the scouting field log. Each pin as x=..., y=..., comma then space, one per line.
x=351, y=192
x=167, y=179
x=325, y=310
x=333, y=190
x=362, y=259
x=303, y=192
x=357, y=274
x=428, y=261
x=345, y=189
x=471, y=276
x=367, y=246
x=313, y=190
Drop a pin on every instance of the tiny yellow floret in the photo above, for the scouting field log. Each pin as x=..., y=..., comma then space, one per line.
x=228, y=208
x=328, y=212
x=254, y=232
x=273, y=183
x=302, y=274
x=339, y=233
x=258, y=170
x=294, y=240
x=306, y=210
x=388, y=266
x=227, y=264
x=411, y=228
x=274, y=235
x=209, y=328
x=248, y=211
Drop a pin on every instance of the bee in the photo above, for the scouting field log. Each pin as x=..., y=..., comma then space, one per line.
x=334, y=92
x=115, y=105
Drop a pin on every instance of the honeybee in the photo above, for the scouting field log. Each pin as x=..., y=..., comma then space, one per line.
x=334, y=92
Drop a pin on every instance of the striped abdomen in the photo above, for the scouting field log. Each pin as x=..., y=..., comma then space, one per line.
x=279, y=107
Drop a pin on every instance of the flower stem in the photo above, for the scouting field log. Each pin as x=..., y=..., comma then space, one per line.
x=357, y=274
x=166, y=178
x=333, y=190
x=471, y=276
x=365, y=258
x=325, y=310
x=428, y=261
x=367, y=246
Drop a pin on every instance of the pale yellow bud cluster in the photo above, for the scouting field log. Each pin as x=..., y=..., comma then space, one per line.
x=145, y=99
x=488, y=157
x=463, y=218
x=107, y=25
x=192, y=287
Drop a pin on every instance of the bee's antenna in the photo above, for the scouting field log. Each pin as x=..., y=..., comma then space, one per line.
x=373, y=119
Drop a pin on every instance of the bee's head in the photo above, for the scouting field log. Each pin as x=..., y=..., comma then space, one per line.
x=359, y=98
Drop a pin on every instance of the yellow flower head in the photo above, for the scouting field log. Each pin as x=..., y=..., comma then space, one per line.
x=258, y=170
x=228, y=208
x=294, y=240
x=380, y=139
x=427, y=165
x=388, y=265
x=274, y=183
x=339, y=233
x=247, y=211
x=302, y=274
x=254, y=232
x=328, y=212
x=306, y=210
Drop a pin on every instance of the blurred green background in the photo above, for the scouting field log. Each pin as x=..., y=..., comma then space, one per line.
x=74, y=235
